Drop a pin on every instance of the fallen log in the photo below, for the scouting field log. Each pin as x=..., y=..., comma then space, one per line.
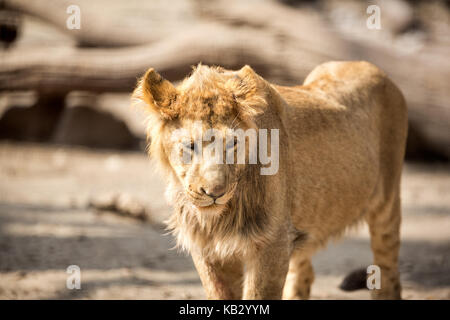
x=95, y=31
x=116, y=70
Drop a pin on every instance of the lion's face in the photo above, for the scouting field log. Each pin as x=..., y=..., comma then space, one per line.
x=193, y=130
x=198, y=154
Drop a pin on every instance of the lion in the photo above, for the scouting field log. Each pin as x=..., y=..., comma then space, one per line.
x=341, y=144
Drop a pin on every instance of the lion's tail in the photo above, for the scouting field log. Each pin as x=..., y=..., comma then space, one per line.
x=355, y=280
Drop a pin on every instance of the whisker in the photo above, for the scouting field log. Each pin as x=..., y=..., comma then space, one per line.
x=237, y=123
x=231, y=125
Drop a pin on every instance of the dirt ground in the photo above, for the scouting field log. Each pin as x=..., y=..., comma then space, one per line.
x=46, y=225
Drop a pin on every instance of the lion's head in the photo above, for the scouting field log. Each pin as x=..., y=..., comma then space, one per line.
x=192, y=128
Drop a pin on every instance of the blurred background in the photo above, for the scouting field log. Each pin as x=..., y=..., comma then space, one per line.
x=76, y=187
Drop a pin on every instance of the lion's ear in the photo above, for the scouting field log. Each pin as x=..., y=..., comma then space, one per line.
x=247, y=88
x=157, y=93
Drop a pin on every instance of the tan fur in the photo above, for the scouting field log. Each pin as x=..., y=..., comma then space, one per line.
x=342, y=141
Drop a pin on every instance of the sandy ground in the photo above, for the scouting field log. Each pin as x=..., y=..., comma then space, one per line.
x=46, y=225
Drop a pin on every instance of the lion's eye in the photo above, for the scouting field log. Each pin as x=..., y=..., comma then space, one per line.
x=190, y=145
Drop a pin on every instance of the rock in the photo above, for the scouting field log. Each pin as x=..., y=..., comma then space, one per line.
x=104, y=202
x=120, y=203
x=130, y=206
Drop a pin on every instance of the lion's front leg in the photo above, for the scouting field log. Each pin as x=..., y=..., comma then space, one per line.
x=220, y=279
x=265, y=272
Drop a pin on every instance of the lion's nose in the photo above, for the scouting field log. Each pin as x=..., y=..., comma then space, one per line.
x=214, y=191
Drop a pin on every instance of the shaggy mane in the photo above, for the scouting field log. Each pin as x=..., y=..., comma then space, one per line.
x=243, y=224
x=215, y=95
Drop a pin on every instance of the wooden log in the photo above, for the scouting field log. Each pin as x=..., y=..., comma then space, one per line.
x=67, y=69
x=96, y=30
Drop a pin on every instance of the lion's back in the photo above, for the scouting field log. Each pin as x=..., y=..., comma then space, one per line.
x=347, y=130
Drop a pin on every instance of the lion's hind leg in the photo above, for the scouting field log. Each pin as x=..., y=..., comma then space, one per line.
x=384, y=226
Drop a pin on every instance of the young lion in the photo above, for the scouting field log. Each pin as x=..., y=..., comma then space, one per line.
x=341, y=146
